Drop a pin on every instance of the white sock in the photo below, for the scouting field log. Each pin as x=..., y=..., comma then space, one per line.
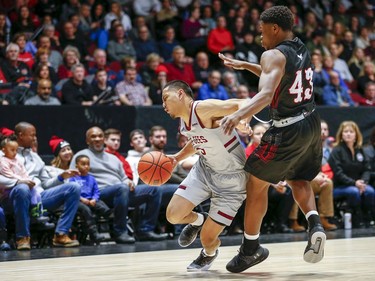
x=251, y=237
x=313, y=212
x=199, y=221
x=207, y=255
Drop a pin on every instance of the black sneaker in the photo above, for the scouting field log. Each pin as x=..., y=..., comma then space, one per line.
x=314, y=251
x=242, y=262
x=202, y=262
x=189, y=233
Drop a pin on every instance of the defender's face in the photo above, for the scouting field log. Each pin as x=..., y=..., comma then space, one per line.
x=267, y=36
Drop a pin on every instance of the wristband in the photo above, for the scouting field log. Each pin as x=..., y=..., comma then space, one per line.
x=60, y=178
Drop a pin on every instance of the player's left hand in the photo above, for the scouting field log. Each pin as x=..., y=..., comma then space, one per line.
x=173, y=160
x=229, y=123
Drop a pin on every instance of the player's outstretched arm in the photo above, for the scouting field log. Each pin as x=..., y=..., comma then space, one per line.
x=241, y=65
x=273, y=65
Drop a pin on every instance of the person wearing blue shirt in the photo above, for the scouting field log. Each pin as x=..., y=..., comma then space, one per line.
x=334, y=94
x=89, y=201
x=212, y=89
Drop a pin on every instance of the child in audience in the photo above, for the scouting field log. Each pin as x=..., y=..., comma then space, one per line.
x=89, y=198
x=11, y=167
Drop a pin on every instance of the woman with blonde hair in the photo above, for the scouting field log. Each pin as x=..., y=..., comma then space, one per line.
x=351, y=171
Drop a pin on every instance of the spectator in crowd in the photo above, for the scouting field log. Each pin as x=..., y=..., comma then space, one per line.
x=132, y=92
x=120, y=46
x=100, y=62
x=53, y=35
x=148, y=9
x=334, y=94
x=54, y=195
x=320, y=78
x=317, y=42
x=112, y=141
x=139, y=22
x=90, y=203
x=369, y=96
x=54, y=57
x=201, y=68
x=180, y=69
x=4, y=246
x=117, y=13
x=167, y=43
x=71, y=56
x=212, y=89
x=258, y=131
x=138, y=142
x=356, y=62
x=68, y=8
x=70, y=38
x=76, y=90
x=63, y=155
x=220, y=38
x=43, y=94
x=98, y=34
x=85, y=19
x=369, y=151
x=243, y=92
x=352, y=173
x=366, y=75
x=157, y=85
x=167, y=16
x=339, y=64
x=118, y=192
x=362, y=41
x=370, y=50
x=348, y=46
x=191, y=32
x=43, y=71
x=102, y=90
x=24, y=56
x=26, y=22
x=144, y=44
x=148, y=70
x=41, y=58
x=4, y=33
x=230, y=83
x=238, y=30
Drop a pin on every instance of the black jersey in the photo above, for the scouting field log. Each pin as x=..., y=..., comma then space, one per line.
x=294, y=94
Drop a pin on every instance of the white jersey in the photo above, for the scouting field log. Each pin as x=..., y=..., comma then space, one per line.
x=220, y=152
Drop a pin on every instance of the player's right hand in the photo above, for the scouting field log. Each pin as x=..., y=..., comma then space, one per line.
x=236, y=64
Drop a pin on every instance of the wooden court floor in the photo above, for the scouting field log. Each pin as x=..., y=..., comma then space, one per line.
x=345, y=259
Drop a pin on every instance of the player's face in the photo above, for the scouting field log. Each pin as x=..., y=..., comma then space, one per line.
x=10, y=149
x=113, y=142
x=170, y=102
x=66, y=154
x=95, y=139
x=268, y=35
x=83, y=166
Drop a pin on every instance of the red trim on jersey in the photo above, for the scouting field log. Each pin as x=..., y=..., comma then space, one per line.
x=275, y=99
x=199, y=120
x=182, y=187
x=230, y=142
x=225, y=215
x=266, y=152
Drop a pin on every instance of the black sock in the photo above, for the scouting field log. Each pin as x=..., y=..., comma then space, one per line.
x=250, y=246
x=313, y=220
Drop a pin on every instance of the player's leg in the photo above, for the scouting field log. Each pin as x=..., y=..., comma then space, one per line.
x=305, y=198
x=251, y=253
x=209, y=236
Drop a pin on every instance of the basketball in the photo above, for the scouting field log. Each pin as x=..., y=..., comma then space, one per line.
x=154, y=168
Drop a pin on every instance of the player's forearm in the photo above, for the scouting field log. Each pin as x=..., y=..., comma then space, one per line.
x=185, y=152
x=255, y=105
x=252, y=67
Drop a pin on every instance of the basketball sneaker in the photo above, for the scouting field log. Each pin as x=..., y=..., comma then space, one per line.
x=190, y=232
x=314, y=251
x=242, y=262
x=202, y=262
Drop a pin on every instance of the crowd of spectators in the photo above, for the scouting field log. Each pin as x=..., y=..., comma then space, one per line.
x=165, y=40
x=122, y=53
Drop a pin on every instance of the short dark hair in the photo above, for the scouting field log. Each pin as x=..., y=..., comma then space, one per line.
x=175, y=85
x=135, y=132
x=280, y=15
x=79, y=157
x=156, y=128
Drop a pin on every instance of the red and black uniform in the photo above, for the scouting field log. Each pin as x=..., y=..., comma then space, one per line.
x=291, y=148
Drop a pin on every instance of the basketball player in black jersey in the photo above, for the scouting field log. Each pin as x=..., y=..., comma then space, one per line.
x=290, y=150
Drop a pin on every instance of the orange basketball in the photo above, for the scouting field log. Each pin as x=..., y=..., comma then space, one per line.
x=155, y=168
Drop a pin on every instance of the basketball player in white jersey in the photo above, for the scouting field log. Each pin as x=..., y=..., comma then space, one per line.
x=218, y=174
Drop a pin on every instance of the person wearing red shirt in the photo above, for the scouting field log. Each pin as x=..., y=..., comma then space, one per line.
x=112, y=140
x=220, y=39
